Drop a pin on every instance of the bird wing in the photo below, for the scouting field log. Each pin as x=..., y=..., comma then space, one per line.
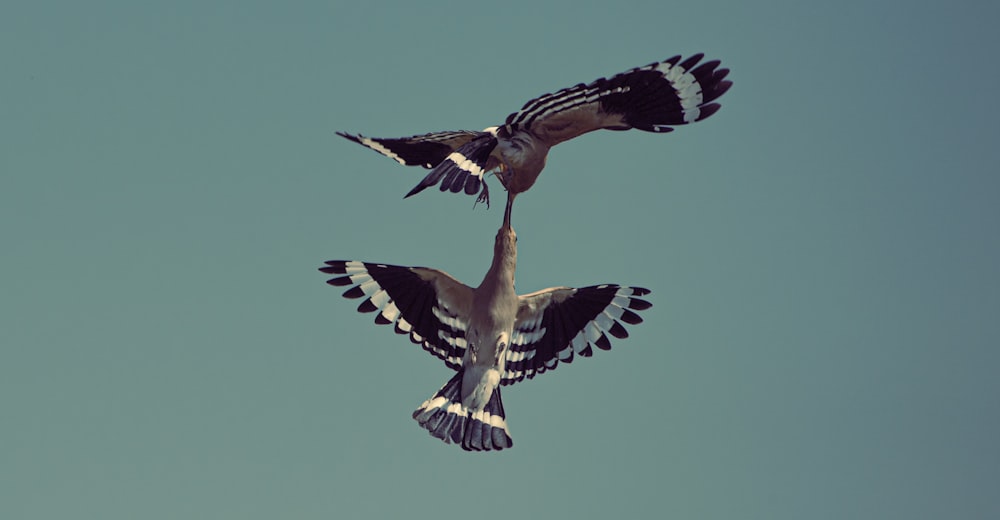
x=557, y=323
x=463, y=169
x=427, y=150
x=654, y=98
x=427, y=304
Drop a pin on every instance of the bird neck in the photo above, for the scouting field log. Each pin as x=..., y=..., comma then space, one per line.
x=504, y=259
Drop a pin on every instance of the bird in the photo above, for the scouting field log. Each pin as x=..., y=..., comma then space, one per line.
x=489, y=335
x=653, y=98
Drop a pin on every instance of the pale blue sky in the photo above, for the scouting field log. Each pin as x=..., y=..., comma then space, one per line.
x=822, y=253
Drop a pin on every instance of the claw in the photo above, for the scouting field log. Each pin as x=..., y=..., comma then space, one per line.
x=504, y=174
x=484, y=196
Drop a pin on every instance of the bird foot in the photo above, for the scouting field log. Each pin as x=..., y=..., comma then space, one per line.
x=484, y=196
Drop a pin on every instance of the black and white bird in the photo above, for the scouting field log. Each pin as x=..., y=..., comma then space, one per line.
x=654, y=98
x=488, y=334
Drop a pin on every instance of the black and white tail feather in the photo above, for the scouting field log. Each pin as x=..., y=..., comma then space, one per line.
x=446, y=418
x=432, y=308
x=654, y=98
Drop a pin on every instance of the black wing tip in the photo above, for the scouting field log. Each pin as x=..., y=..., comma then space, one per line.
x=350, y=137
x=691, y=61
x=340, y=281
x=618, y=331
x=630, y=317
x=709, y=75
x=472, y=185
x=708, y=111
x=671, y=60
x=353, y=293
x=639, y=304
x=706, y=67
x=722, y=87
x=334, y=267
x=367, y=306
x=416, y=189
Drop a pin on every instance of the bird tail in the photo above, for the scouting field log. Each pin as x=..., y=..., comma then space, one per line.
x=444, y=416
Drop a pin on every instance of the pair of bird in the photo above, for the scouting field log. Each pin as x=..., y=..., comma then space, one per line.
x=488, y=334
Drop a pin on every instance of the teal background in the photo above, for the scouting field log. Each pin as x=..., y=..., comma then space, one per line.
x=823, y=255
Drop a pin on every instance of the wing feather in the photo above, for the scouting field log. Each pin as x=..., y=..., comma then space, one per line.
x=427, y=150
x=426, y=304
x=464, y=169
x=654, y=98
x=554, y=324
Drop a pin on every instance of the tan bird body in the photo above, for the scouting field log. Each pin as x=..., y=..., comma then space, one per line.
x=488, y=334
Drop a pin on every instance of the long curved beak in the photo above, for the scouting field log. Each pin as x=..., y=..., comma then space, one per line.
x=506, y=213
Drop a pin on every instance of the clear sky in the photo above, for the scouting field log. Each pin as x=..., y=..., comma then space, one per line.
x=823, y=255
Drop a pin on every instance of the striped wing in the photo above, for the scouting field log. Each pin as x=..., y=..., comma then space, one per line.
x=426, y=304
x=554, y=325
x=464, y=169
x=427, y=150
x=654, y=98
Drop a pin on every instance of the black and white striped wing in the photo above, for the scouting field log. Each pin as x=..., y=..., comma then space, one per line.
x=426, y=304
x=556, y=324
x=427, y=150
x=464, y=169
x=654, y=98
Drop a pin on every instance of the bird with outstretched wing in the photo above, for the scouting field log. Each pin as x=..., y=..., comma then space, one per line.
x=654, y=98
x=488, y=334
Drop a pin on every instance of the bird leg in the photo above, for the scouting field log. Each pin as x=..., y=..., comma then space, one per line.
x=484, y=194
